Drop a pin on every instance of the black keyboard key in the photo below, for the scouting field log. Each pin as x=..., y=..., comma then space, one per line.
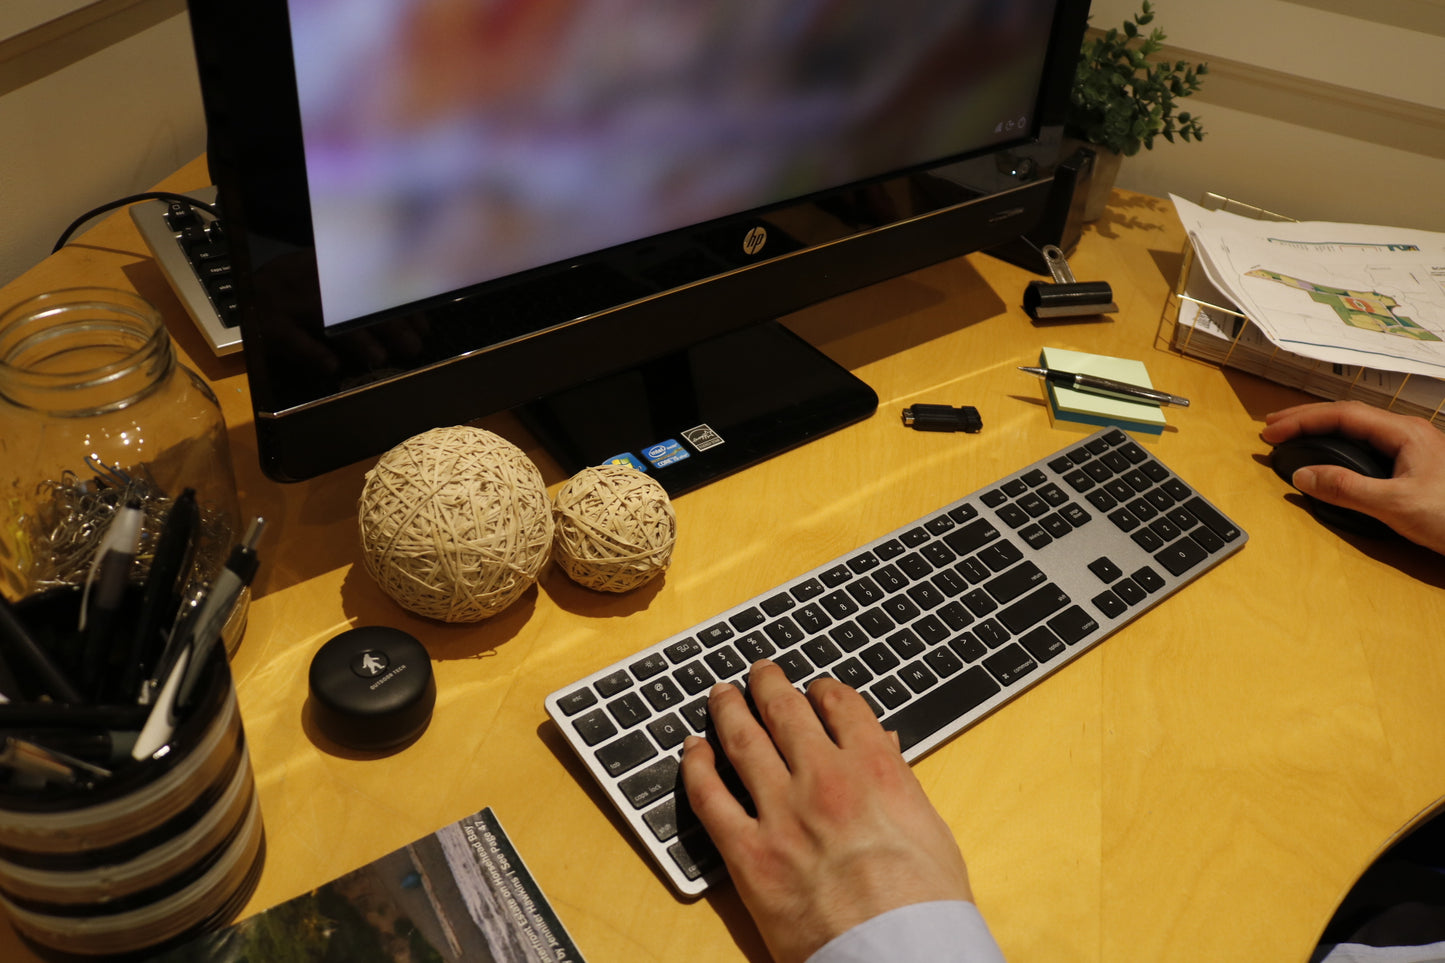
x=1033, y=608
x=725, y=662
x=1042, y=643
x=905, y=643
x=955, y=616
x=1129, y=592
x=853, y=673
x=862, y=562
x=627, y=753
x=879, y=658
x=694, y=678
x=628, y=710
x=889, y=578
x=1110, y=604
x=979, y=602
x=889, y=550
x=968, y=647
x=777, y=604
x=942, y=661
x=848, y=636
x=594, y=727
x=821, y=652
x=805, y=591
x=865, y=591
x=900, y=609
x=1000, y=555
x=915, y=537
x=876, y=623
x=574, y=702
x=990, y=633
x=971, y=537
x=795, y=666
x=682, y=650
x=963, y=513
x=1181, y=556
x=934, y=710
x=836, y=576
x=748, y=618
x=890, y=692
x=647, y=786
x=915, y=566
x=1015, y=582
x=784, y=632
x=613, y=683
x=662, y=819
x=931, y=630
x=1148, y=579
x=917, y=676
x=838, y=604
x=939, y=524
x=1073, y=625
x=695, y=854
x=1010, y=663
x=715, y=635
x=754, y=646
x=812, y=619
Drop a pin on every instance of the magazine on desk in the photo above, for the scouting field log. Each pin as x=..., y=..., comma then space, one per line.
x=462, y=893
x=1337, y=310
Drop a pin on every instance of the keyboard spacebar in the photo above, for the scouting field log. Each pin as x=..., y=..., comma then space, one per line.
x=936, y=709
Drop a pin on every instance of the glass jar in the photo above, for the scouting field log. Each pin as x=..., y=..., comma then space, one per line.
x=95, y=410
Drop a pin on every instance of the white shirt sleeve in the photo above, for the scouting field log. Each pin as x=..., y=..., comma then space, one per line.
x=941, y=932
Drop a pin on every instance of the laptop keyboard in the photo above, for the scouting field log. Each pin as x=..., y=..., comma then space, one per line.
x=937, y=624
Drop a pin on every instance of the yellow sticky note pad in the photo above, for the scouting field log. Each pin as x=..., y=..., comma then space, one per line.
x=1094, y=411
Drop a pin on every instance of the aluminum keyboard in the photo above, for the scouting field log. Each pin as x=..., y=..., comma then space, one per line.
x=938, y=624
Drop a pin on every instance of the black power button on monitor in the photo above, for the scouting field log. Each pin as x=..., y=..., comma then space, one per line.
x=372, y=688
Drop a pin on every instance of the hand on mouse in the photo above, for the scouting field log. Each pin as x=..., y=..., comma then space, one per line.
x=843, y=830
x=1412, y=502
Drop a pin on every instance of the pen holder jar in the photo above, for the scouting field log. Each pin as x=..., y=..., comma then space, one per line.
x=148, y=854
x=95, y=410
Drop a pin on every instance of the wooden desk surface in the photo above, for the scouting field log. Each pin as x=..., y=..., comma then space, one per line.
x=1205, y=785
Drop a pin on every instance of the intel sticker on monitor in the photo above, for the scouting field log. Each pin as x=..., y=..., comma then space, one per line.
x=664, y=453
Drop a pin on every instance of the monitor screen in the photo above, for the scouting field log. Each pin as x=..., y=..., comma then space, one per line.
x=445, y=208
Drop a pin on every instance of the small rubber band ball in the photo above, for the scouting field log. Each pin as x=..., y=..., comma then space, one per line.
x=615, y=528
x=455, y=523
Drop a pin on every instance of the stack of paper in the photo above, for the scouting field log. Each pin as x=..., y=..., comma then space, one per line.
x=1338, y=310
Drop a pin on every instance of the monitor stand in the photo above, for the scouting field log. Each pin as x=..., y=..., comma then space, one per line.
x=704, y=412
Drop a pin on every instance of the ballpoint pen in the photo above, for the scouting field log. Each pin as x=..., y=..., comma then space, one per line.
x=239, y=571
x=161, y=599
x=1106, y=387
x=200, y=636
x=105, y=586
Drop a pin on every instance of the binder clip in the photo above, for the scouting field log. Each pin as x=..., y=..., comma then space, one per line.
x=1065, y=297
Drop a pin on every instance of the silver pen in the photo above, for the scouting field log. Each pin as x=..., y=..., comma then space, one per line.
x=1106, y=387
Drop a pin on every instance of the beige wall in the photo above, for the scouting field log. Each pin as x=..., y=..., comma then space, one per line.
x=1318, y=109
x=97, y=100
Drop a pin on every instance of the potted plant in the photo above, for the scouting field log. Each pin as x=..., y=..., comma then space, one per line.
x=1123, y=98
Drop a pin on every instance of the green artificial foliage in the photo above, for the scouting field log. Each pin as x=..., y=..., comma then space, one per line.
x=1122, y=99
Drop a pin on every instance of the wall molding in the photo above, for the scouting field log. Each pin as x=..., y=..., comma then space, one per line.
x=1315, y=104
x=56, y=44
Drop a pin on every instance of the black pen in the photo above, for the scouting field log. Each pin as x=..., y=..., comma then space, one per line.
x=161, y=599
x=1106, y=387
x=105, y=586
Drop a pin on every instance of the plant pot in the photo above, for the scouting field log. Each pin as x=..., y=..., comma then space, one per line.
x=1106, y=171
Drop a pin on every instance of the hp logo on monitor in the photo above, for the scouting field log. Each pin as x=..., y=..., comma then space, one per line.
x=755, y=240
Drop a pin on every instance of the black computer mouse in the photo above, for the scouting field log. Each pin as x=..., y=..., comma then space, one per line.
x=1294, y=454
